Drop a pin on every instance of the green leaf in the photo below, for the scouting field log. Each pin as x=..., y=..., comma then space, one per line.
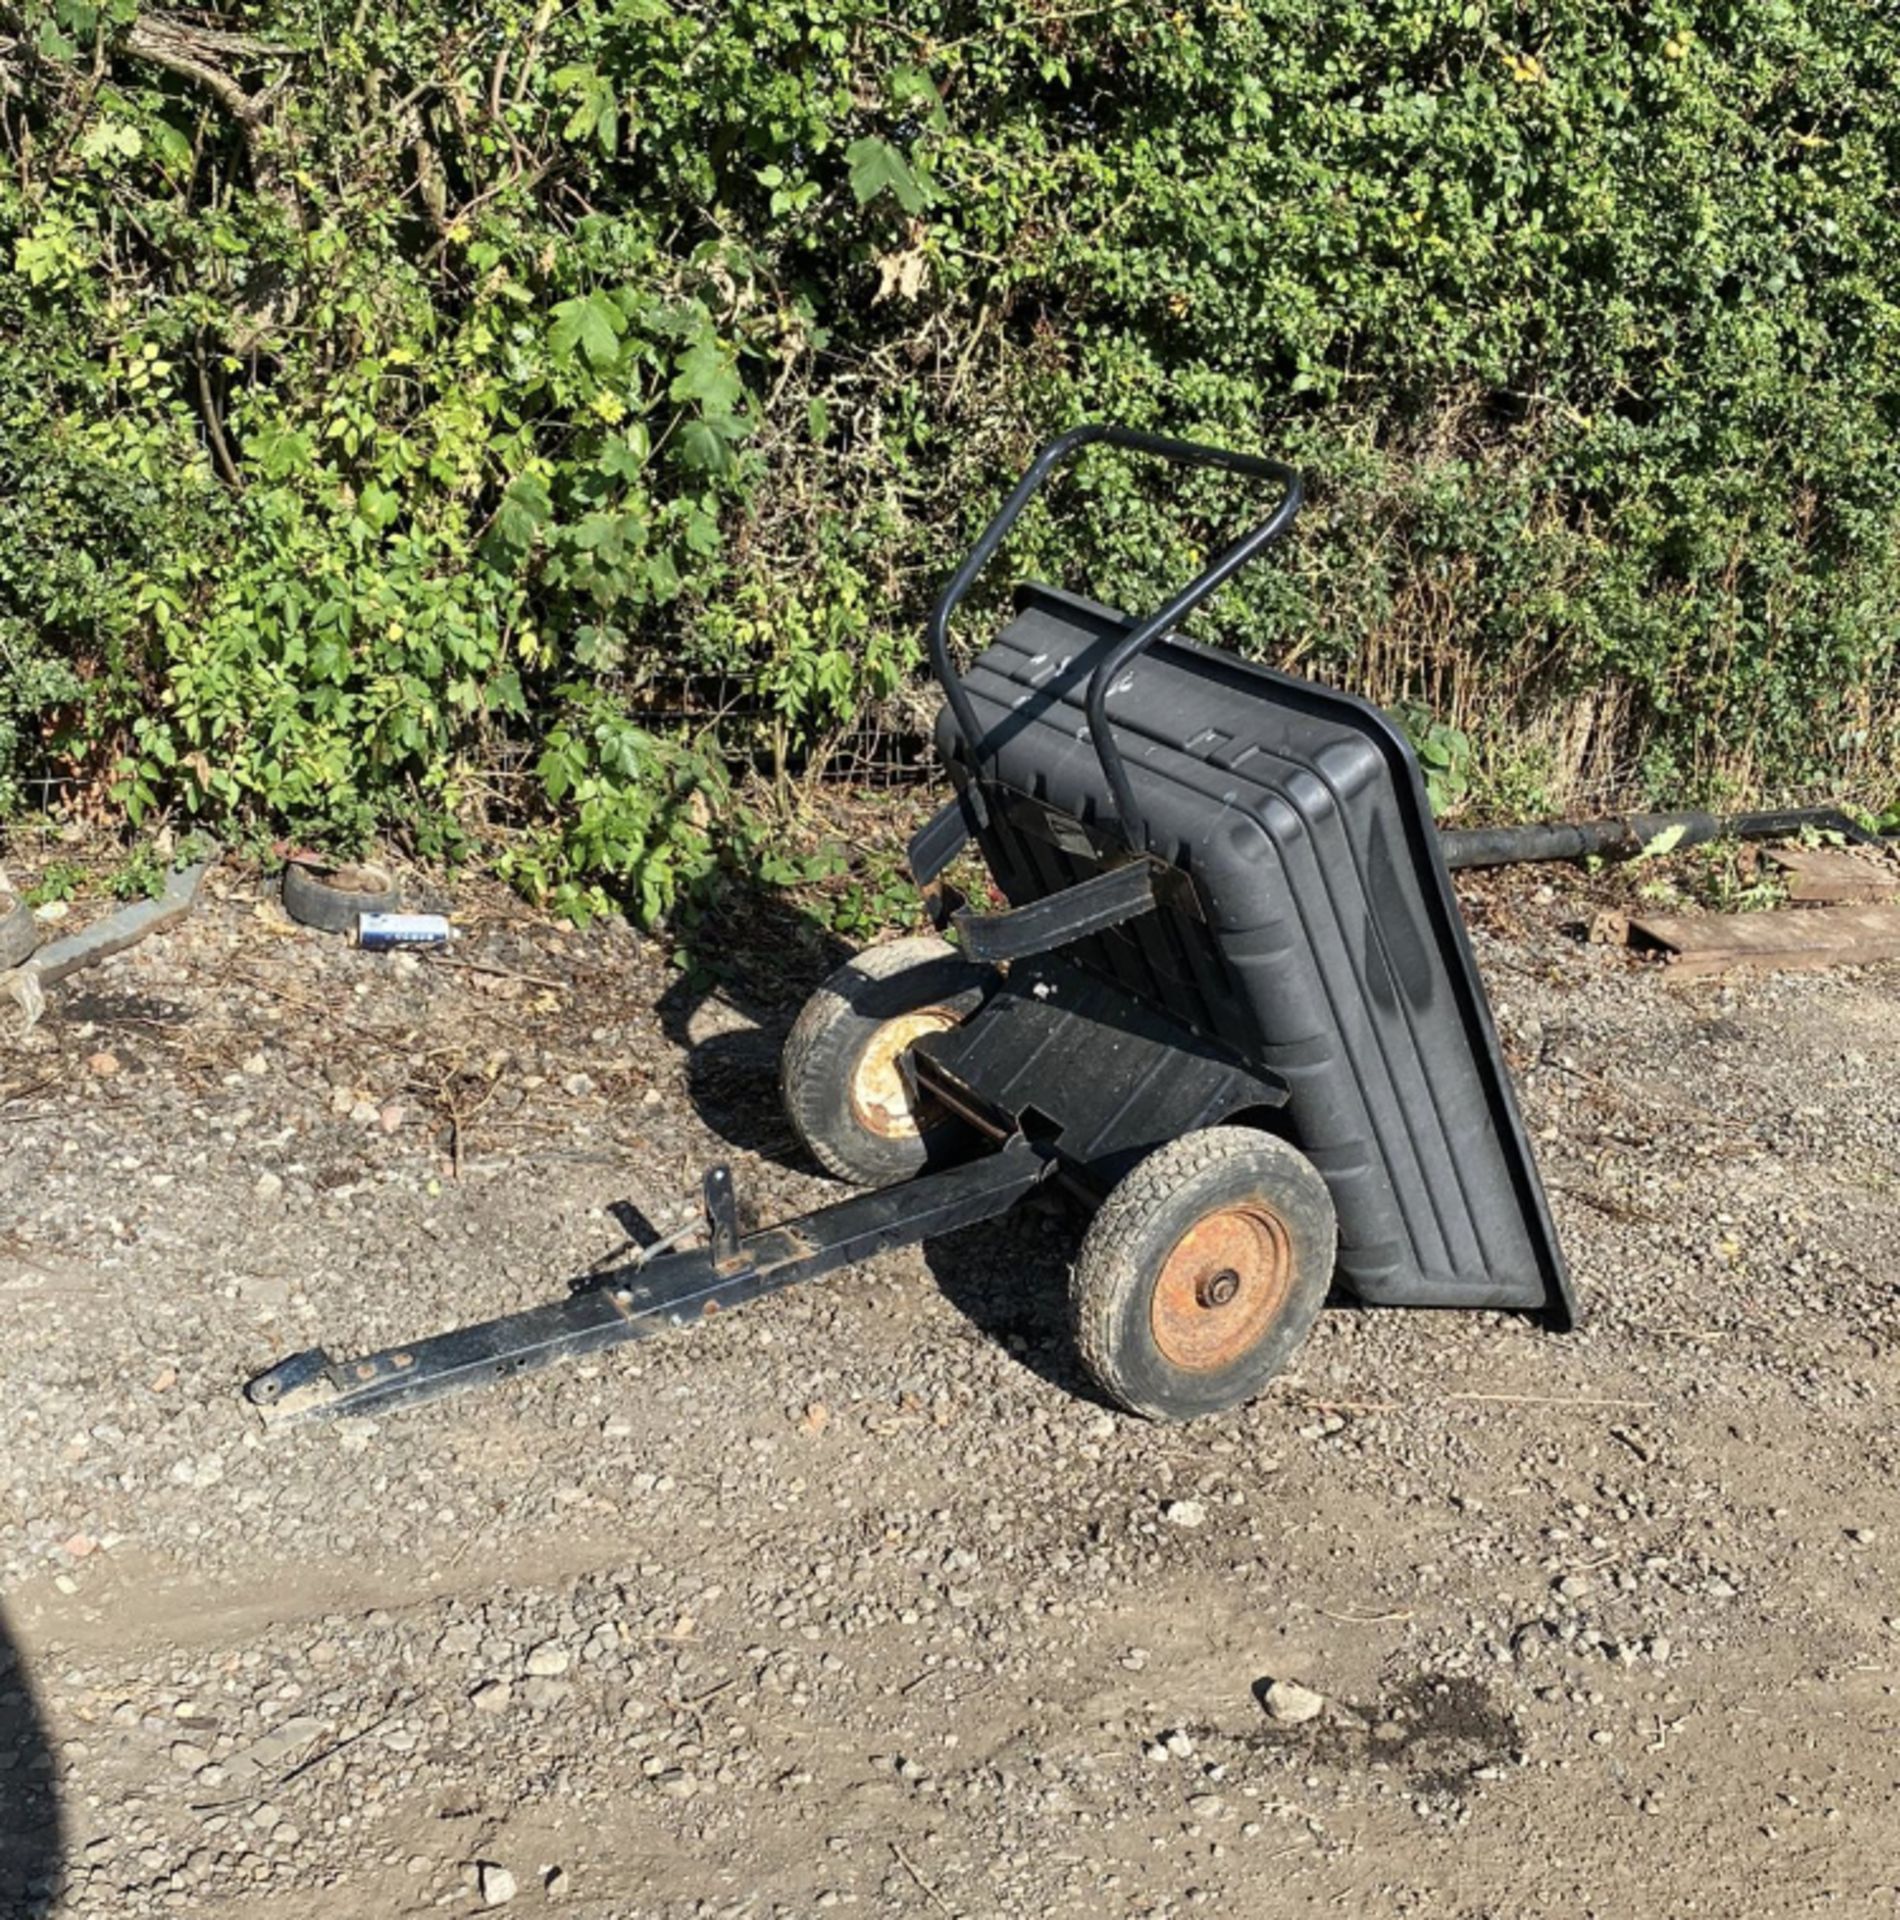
x=330, y=659
x=623, y=457
x=525, y=508
x=53, y=45
x=378, y=505
x=105, y=139
x=913, y=87
x=592, y=322
x=702, y=532
x=1661, y=843
x=704, y=449
x=599, y=533
x=705, y=374
x=504, y=694
x=596, y=106
x=877, y=167
x=172, y=146
x=600, y=649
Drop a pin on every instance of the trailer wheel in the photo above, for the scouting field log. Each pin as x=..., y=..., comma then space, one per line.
x=844, y=1088
x=1204, y=1270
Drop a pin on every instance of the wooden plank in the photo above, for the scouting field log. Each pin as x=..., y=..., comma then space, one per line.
x=1827, y=875
x=1705, y=943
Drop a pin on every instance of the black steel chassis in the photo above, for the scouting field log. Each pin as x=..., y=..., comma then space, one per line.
x=1061, y=1071
x=634, y=1301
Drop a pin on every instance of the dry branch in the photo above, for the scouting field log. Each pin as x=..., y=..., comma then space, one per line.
x=194, y=53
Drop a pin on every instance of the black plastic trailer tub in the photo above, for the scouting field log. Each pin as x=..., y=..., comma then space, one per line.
x=1315, y=933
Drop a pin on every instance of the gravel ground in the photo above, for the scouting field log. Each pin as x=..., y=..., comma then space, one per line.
x=858, y=1600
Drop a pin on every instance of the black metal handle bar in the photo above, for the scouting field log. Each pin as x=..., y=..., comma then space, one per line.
x=1248, y=547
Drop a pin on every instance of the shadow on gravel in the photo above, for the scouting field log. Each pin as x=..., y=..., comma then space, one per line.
x=1441, y=1733
x=754, y=953
x=1010, y=1279
x=30, y=1874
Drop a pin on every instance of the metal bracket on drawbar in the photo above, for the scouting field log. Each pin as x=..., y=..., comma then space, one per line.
x=722, y=1218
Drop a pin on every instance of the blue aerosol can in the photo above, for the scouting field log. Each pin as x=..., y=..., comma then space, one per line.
x=378, y=932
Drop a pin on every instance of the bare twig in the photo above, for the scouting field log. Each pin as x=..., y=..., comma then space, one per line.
x=498, y=973
x=1615, y=1209
x=302, y=1767
x=903, y=1860
x=691, y=1707
x=214, y=427
x=1548, y=1400
x=341, y=1746
x=460, y=1116
x=176, y=48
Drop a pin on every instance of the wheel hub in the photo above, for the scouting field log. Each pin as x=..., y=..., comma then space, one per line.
x=881, y=1097
x=1218, y=1289
x=1222, y=1287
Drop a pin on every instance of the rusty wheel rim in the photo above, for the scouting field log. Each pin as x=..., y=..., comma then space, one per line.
x=881, y=1098
x=1222, y=1287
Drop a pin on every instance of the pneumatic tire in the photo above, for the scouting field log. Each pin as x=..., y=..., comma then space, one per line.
x=1202, y=1273
x=331, y=899
x=841, y=1072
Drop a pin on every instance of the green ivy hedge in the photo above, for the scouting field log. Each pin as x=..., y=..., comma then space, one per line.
x=536, y=412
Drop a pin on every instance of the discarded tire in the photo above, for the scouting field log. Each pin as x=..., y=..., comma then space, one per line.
x=331, y=898
x=19, y=931
x=842, y=1071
